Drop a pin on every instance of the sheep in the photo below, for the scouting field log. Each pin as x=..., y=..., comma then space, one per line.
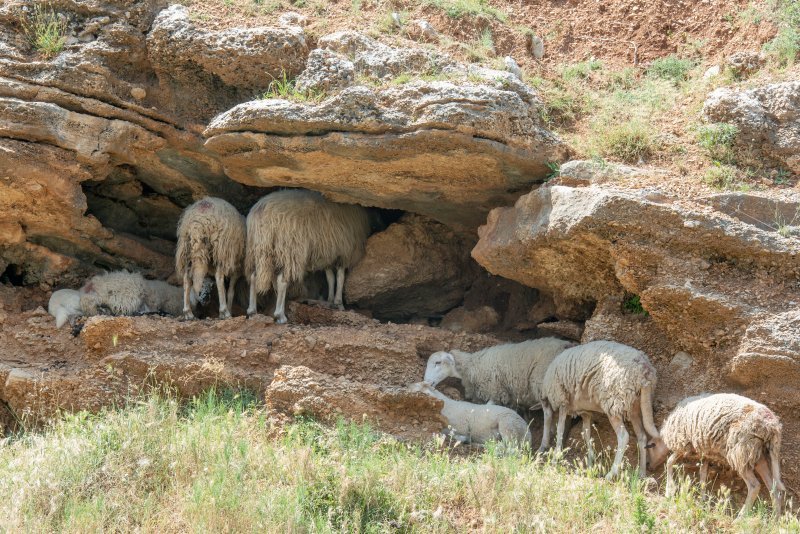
x=295, y=231
x=602, y=376
x=211, y=240
x=510, y=375
x=479, y=423
x=725, y=427
x=64, y=305
x=126, y=293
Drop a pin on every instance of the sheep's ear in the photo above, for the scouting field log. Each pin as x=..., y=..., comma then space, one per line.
x=447, y=357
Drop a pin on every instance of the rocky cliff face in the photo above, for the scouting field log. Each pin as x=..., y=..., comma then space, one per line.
x=146, y=110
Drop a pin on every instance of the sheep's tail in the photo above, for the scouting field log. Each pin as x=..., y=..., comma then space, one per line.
x=647, y=412
x=775, y=456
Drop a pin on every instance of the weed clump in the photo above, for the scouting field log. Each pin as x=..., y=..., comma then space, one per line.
x=45, y=30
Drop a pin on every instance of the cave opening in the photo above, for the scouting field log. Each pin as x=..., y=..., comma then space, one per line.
x=13, y=275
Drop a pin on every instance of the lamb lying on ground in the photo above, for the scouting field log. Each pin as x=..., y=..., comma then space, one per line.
x=64, y=305
x=479, y=423
x=211, y=240
x=607, y=377
x=725, y=428
x=125, y=293
x=510, y=375
x=294, y=232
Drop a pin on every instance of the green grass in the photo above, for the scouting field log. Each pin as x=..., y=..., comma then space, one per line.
x=633, y=304
x=285, y=88
x=717, y=140
x=724, y=177
x=45, y=30
x=218, y=465
x=785, y=46
x=468, y=8
x=671, y=68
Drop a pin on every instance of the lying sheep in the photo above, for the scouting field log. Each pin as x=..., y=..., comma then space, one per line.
x=479, y=423
x=510, y=375
x=64, y=305
x=607, y=377
x=725, y=428
x=211, y=240
x=293, y=232
x=126, y=293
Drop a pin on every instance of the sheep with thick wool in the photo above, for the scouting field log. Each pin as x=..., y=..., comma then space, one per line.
x=606, y=377
x=64, y=305
x=722, y=428
x=510, y=374
x=293, y=232
x=479, y=423
x=211, y=240
x=126, y=293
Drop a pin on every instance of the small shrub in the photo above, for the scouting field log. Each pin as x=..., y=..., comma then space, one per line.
x=555, y=170
x=717, y=140
x=401, y=79
x=45, y=30
x=284, y=88
x=482, y=48
x=671, y=68
x=785, y=47
x=468, y=8
x=581, y=70
x=644, y=520
x=720, y=176
x=633, y=304
x=630, y=141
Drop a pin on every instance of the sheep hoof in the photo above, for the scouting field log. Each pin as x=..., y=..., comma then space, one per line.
x=281, y=319
x=339, y=307
x=188, y=316
x=611, y=476
x=225, y=315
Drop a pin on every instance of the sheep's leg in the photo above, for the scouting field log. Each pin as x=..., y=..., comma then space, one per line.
x=668, y=468
x=641, y=439
x=337, y=301
x=223, y=300
x=622, y=443
x=548, y=417
x=280, y=304
x=231, y=289
x=187, y=291
x=562, y=421
x=587, y=437
x=753, y=485
x=703, y=476
x=331, y=284
x=763, y=470
x=251, y=308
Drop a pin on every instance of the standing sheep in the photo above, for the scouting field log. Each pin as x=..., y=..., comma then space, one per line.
x=510, y=375
x=211, y=240
x=64, y=305
x=607, y=377
x=293, y=232
x=725, y=428
x=479, y=422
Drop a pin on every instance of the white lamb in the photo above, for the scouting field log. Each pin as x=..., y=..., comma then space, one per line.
x=725, y=428
x=479, y=423
x=211, y=240
x=126, y=293
x=607, y=377
x=510, y=375
x=64, y=305
x=294, y=232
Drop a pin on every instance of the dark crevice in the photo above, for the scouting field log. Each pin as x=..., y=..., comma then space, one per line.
x=13, y=275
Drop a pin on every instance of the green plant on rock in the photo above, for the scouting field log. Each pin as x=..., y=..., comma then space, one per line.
x=722, y=177
x=285, y=88
x=45, y=30
x=718, y=139
x=631, y=141
x=633, y=304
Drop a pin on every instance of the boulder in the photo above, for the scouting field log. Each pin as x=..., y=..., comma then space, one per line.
x=767, y=119
x=462, y=319
x=416, y=267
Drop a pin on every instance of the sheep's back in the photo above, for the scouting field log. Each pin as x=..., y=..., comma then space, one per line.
x=610, y=374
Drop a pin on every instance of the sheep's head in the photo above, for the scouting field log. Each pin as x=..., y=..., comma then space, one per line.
x=441, y=365
x=205, y=291
x=657, y=452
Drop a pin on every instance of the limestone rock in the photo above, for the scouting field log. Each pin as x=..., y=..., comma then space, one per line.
x=326, y=71
x=461, y=319
x=767, y=118
x=586, y=172
x=414, y=267
x=301, y=391
x=745, y=63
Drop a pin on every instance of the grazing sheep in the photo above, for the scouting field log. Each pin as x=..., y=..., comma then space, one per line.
x=64, y=305
x=725, y=428
x=607, y=377
x=125, y=293
x=479, y=422
x=510, y=375
x=293, y=232
x=211, y=240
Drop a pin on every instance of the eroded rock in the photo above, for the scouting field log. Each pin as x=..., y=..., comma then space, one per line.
x=767, y=118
